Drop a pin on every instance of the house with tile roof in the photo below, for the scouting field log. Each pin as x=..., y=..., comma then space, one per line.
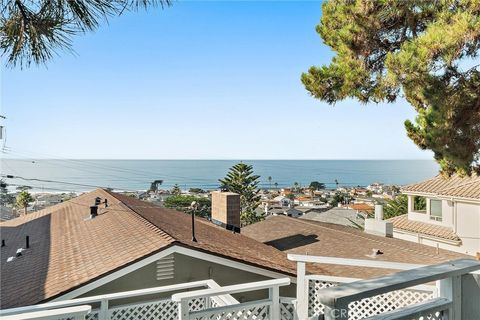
x=127, y=244
x=444, y=213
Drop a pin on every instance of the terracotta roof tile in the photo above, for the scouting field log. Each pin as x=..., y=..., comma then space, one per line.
x=403, y=223
x=455, y=186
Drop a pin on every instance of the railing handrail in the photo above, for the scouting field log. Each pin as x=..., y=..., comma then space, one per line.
x=404, y=279
x=353, y=262
x=111, y=296
x=237, y=288
x=76, y=312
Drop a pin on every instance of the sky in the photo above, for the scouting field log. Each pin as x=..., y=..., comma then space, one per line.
x=198, y=80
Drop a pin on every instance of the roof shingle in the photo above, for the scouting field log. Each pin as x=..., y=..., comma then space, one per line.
x=303, y=236
x=68, y=250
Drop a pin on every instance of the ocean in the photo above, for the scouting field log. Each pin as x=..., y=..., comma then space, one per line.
x=54, y=175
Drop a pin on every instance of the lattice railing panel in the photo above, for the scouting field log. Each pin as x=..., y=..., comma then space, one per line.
x=160, y=309
x=257, y=311
x=287, y=309
x=93, y=315
x=369, y=306
x=315, y=308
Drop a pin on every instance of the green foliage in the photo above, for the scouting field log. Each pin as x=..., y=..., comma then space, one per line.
x=338, y=198
x=196, y=190
x=419, y=203
x=240, y=179
x=34, y=31
x=176, y=190
x=23, y=199
x=5, y=197
x=420, y=50
x=315, y=185
x=183, y=203
x=395, y=207
x=154, y=185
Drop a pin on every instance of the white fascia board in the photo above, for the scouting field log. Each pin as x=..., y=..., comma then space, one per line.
x=174, y=249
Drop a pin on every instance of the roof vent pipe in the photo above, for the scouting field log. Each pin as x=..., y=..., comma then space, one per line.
x=106, y=203
x=93, y=211
x=27, y=242
x=3, y=242
x=98, y=200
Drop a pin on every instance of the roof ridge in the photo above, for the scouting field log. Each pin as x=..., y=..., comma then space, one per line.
x=139, y=216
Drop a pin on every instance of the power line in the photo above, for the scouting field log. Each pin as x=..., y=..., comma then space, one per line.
x=56, y=181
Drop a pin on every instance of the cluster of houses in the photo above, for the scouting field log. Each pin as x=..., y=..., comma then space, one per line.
x=104, y=242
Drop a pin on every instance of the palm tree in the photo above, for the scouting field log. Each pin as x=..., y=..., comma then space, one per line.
x=276, y=185
x=23, y=199
x=270, y=181
x=295, y=184
x=34, y=31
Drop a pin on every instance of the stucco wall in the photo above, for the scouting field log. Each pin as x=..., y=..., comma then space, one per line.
x=187, y=269
x=468, y=226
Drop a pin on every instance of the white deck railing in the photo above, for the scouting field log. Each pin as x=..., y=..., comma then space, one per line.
x=401, y=295
x=261, y=309
x=75, y=313
x=163, y=308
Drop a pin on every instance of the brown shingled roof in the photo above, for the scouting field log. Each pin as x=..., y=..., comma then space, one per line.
x=455, y=186
x=68, y=250
x=303, y=236
x=403, y=223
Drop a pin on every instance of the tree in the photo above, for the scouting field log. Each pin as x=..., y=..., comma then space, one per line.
x=5, y=197
x=295, y=186
x=176, y=190
x=395, y=207
x=419, y=50
x=154, y=185
x=196, y=190
x=276, y=185
x=34, y=31
x=270, y=181
x=315, y=185
x=183, y=203
x=240, y=179
x=23, y=199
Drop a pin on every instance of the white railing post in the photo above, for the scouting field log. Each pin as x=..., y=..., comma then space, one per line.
x=274, y=296
x=103, y=314
x=451, y=288
x=302, y=292
x=183, y=310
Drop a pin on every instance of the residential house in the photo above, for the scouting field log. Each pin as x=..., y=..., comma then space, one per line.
x=302, y=236
x=444, y=213
x=76, y=249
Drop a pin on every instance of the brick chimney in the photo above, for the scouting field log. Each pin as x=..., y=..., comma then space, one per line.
x=226, y=210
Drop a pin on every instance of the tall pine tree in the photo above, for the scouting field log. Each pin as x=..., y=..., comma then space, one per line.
x=240, y=179
x=423, y=51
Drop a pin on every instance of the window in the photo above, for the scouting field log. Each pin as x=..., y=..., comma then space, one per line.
x=436, y=210
x=419, y=204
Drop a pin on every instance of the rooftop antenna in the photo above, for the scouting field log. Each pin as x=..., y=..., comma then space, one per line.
x=193, y=207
